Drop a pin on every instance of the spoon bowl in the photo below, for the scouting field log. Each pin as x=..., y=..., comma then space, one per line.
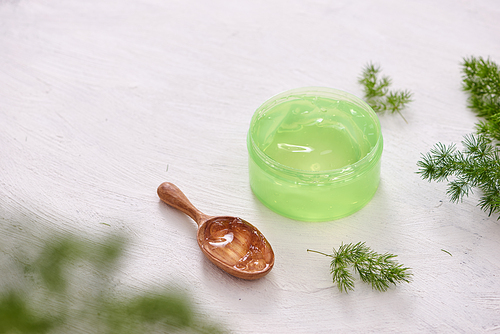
x=231, y=243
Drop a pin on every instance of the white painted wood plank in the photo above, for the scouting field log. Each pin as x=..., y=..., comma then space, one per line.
x=101, y=101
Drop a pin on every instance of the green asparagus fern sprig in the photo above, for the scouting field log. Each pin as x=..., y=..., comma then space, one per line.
x=379, y=270
x=378, y=95
x=478, y=164
x=481, y=80
x=41, y=297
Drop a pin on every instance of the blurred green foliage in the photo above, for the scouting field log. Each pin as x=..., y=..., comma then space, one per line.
x=65, y=286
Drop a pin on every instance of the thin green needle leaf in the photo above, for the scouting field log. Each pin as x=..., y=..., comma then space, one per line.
x=378, y=270
x=478, y=164
x=377, y=93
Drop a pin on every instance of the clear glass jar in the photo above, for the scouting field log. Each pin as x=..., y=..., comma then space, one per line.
x=314, y=153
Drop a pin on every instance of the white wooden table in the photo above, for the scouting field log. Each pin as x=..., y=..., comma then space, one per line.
x=101, y=101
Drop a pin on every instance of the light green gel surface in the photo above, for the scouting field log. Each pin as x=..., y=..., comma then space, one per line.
x=314, y=158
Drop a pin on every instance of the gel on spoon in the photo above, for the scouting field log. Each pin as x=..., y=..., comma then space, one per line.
x=231, y=243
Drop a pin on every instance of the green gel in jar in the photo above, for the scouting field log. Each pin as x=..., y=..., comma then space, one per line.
x=314, y=153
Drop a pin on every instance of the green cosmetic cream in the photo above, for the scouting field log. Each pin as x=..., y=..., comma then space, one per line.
x=314, y=153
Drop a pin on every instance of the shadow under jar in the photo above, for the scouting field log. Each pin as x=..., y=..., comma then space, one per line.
x=314, y=153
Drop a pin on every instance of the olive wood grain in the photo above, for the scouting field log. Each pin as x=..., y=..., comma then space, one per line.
x=231, y=243
x=173, y=196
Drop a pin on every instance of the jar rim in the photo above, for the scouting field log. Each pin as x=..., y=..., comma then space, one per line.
x=338, y=173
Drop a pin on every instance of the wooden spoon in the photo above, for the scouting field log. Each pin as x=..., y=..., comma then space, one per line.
x=231, y=243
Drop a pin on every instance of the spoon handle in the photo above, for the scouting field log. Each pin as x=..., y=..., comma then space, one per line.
x=173, y=196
